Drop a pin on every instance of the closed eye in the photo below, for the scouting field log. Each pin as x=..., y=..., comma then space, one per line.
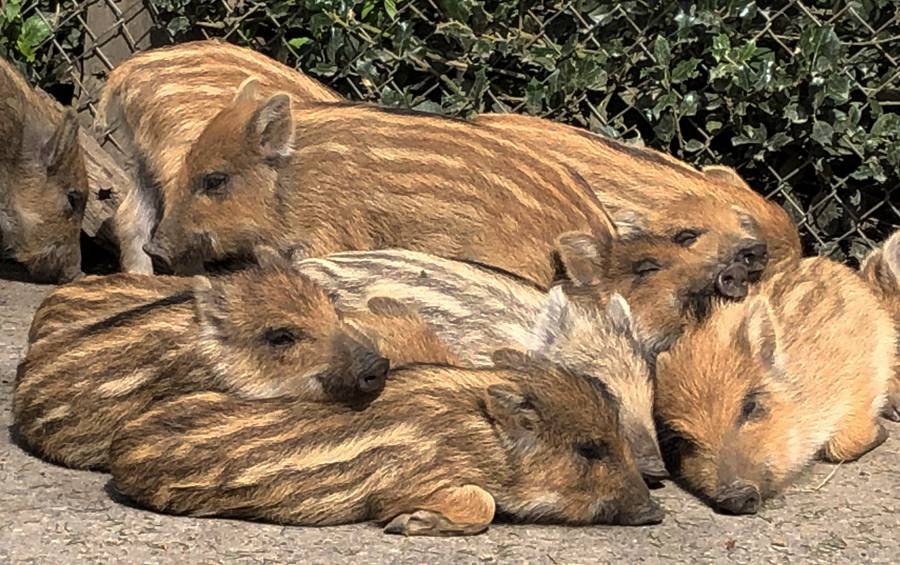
x=687, y=237
x=281, y=338
x=753, y=408
x=646, y=267
x=215, y=183
x=595, y=450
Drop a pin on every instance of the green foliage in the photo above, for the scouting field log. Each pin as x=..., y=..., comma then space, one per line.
x=801, y=98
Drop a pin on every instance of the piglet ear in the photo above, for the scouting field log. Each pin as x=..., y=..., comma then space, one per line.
x=551, y=321
x=892, y=257
x=512, y=410
x=584, y=257
x=758, y=332
x=271, y=128
x=62, y=146
x=209, y=303
x=619, y=313
x=881, y=268
x=248, y=91
x=507, y=358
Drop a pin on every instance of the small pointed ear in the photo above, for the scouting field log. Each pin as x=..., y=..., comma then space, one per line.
x=747, y=221
x=271, y=128
x=726, y=175
x=389, y=307
x=551, y=320
x=248, y=91
x=584, y=257
x=209, y=303
x=757, y=332
x=63, y=144
x=619, y=313
x=630, y=224
x=507, y=358
x=881, y=267
x=510, y=407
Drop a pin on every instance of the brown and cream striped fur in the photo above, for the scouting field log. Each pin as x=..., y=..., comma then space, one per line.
x=881, y=269
x=104, y=348
x=354, y=177
x=668, y=193
x=749, y=398
x=198, y=79
x=475, y=310
x=440, y=452
x=43, y=182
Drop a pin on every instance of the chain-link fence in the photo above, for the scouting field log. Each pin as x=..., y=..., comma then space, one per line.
x=800, y=96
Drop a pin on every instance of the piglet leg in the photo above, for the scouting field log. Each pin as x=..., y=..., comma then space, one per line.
x=456, y=511
x=859, y=436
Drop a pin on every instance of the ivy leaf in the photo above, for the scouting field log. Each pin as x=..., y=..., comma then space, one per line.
x=822, y=133
x=34, y=31
x=662, y=51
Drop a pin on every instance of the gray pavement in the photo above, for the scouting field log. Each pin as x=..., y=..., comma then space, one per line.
x=49, y=514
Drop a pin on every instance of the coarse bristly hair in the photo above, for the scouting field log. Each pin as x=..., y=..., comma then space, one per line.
x=743, y=399
x=437, y=453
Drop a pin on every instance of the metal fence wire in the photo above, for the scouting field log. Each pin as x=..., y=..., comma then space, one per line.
x=800, y=96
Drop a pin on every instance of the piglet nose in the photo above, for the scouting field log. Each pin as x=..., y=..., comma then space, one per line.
x=732, y=281
x=738, y=498
x=371, y=379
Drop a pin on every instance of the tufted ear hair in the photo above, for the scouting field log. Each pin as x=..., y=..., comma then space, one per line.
x=584, y=257
x=63, y=143
x=271, y=127
x=757, y=332
x=619, y=313
x=551, y=322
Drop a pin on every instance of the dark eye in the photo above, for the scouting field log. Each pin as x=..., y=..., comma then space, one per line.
x=686, y=238
x=214, y=183
x=646, y=267
x=593, y=450
x=284, y=337
x=752, y=409
x=76, y=200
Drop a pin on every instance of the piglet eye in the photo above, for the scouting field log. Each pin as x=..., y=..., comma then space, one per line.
x=593, y=450
x=686, y=238
x=752, y=409
x=646, y=267
x=283, y=337
x=215, y=183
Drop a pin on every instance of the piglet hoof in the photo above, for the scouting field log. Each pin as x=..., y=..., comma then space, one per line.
x=891, y=410
x=428, y=523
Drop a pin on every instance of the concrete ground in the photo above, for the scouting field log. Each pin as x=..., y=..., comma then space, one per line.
x=53, y=515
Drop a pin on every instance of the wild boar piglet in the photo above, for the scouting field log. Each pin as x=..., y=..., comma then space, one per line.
x=440, y=452
x=747, y=399
x=43, y=182
x=881, y=269
x=473, y=311
x=104, y=348
x=159, y=101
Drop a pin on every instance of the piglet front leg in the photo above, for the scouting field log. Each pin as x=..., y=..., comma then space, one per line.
x=455, y=511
